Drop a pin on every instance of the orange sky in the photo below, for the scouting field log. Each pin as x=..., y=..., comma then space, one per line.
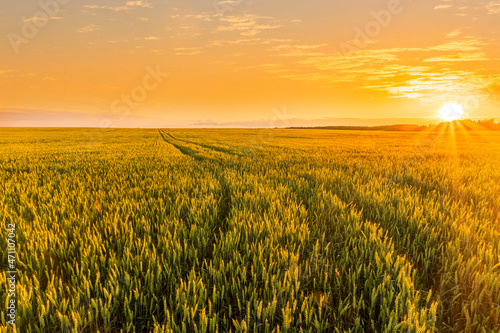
x=91, y=63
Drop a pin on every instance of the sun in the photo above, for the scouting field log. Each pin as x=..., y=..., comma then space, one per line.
x=451, y=111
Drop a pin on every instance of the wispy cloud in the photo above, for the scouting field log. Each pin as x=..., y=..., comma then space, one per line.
x=478, y=56
x=148, y=38
x=139, y=4
x=442, y=7
x=353, y=60
x=493, y=8
x=416, y=73
x=331, y=70
x=41, y=19
x=249, y=41
x=208, y=17
x=188, y=51
x=298, y=50
x=128, y=5
x=87, y=28
x=471, y=44
x=248, y=25
x=300, y=47
x=3, y=72
x=454, y=33
x=451, y=85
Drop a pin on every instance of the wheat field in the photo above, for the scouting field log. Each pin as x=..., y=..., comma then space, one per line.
x=249, y=230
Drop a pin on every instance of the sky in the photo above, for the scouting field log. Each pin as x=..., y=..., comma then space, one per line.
x=214, y=63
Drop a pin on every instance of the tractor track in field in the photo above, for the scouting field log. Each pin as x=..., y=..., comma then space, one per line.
x=224, y=202
x=223, y=211
x=206, y=146
x=184, y=150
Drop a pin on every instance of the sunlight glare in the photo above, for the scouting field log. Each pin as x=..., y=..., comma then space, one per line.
x=451, y=111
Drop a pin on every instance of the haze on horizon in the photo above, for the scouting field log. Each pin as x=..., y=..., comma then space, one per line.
x=215, y=63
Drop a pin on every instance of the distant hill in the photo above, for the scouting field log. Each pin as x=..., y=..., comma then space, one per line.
x=457, y=125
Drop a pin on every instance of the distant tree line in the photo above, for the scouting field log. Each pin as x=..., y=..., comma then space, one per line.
x=459, y=125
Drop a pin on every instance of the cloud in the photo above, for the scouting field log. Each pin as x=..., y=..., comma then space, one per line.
x=493, y=8
x=148, y=38
x=425, y=84
x=87, y=28
x=389, y=70
x=352, y=60
x=128, y=5
x=442, y=7
x=270, y=67
x=298, y=50
x=458, y=45
x=41, y=19
x=326, y=80
x=208, y=17
x=469, y=43
x=6, y=71
x=466, y=87
x=187, y=51
x=478, y=56
x=248, y=25
x=302, y=47
x=332, y=70
x=243, y=41
x=138, y=4
x=249, y=41
x=301, y=53
x=416, y=73
x=454, y=33
x=208, y=122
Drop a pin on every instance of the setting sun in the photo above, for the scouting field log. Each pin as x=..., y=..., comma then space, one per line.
x=451, y=111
